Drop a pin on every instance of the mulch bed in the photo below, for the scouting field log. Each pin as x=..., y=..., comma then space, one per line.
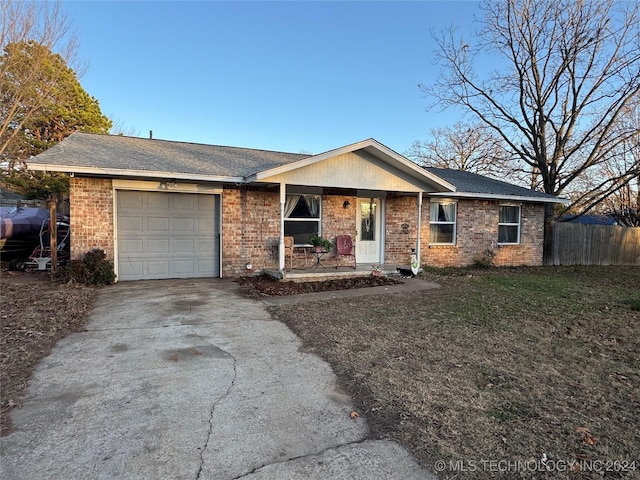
x=265, y=285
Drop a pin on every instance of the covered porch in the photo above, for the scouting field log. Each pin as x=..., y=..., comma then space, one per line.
x=365, y=191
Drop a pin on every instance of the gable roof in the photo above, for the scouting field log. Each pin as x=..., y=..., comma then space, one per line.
x=97, y=154
x=371, y=147
x=120, y=156
x=472, y=185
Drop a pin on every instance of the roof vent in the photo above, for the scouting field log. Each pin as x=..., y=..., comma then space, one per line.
x=150, y=134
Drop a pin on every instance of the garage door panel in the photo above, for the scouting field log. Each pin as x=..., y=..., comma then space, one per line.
x=158, y=224
x=167, y=235
x=205, y=203
x=128, y=223
x=158, y=246
x=156, y=201
x=130, y=268
x=183, y=267
x=184, y=202
x=130, y=200
x=202, y=245
x=186, y=246
x=185, y=225
x=204, y=266
x=204, y=225
x=131, y=246
x=157, y=267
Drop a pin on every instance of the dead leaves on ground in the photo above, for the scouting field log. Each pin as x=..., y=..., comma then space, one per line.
x=586, y=436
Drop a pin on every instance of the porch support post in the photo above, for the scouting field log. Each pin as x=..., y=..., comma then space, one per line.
x=283, y=199
x=419, y=226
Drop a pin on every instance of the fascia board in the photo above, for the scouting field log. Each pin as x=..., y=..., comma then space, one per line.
x=117, y=172
x=496, y=196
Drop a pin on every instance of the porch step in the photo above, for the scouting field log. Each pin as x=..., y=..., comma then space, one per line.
x=321, y=274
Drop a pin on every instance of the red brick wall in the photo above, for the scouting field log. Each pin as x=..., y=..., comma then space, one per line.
x=91, y=212
x=250, y=229
x=337, y=220
x=251, y=226
x=477, y=232
x=401, y=229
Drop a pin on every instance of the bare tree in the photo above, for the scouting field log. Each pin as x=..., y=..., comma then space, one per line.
x=566, y=70
x=27, y=87
x=472, y=148
x=624, y=204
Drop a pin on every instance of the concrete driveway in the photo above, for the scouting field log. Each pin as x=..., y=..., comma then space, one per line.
x=187, y=380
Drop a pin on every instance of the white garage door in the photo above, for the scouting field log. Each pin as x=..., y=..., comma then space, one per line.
x=167, y=235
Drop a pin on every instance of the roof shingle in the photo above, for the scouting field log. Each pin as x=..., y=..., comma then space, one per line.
x=130, y=153
x=467, y=182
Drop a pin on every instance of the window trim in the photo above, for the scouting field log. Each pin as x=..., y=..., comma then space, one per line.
x=317, y=219
x=454, y=223
x=510, y=224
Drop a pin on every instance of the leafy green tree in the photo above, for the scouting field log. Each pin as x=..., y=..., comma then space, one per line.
x=67, y=106
x=41, y=99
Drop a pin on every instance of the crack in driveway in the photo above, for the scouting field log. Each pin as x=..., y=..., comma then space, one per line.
x=204, y=448
x=306, y=455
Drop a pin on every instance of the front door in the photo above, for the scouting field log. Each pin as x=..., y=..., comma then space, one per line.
x=368, y=224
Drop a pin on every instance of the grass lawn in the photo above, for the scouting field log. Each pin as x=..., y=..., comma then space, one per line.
x=497, y=365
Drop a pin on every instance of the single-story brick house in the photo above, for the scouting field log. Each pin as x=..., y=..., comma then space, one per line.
x=165, y=209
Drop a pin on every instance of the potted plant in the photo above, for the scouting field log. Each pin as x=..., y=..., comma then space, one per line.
x=320, y=243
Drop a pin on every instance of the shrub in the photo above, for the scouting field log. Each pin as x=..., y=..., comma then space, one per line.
x=485, y=261
x=92, y=269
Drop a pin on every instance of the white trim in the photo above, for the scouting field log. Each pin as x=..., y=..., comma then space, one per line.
x=114, y=199
x=281, y=255
x=496, y=196
x=121, y=172
x=147, y=186
x=505, y=224
x=418, y=240
x=454, y=223
x=154, y=186
x=379, y=232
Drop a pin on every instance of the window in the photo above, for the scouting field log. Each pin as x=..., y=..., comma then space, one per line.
x=302, y=217
x=443, y=222
x=509, y=224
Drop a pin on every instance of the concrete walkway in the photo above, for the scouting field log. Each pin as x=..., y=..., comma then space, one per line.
x=187, y=380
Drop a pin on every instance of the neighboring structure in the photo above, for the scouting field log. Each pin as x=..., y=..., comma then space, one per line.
x=590, y=219
x=165, y=209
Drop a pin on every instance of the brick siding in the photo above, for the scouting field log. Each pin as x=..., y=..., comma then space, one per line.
x=251, y=226
x=401, y=229
x=477, y=233
x=91, y=214
x=250, y=229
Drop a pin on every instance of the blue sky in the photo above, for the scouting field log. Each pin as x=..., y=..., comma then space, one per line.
x=287, y=76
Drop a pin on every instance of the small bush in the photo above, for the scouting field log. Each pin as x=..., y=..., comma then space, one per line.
x=92, y=269
x=485, y=261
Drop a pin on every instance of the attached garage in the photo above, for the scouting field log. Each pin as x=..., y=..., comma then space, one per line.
x=167, y=235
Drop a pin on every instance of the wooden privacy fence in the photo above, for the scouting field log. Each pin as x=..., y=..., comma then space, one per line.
x=578, y=244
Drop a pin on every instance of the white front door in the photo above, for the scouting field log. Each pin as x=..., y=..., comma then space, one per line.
x=368, y=225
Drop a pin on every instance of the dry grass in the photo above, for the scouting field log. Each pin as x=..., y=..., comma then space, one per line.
x=34, y=314
x=504, y=364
